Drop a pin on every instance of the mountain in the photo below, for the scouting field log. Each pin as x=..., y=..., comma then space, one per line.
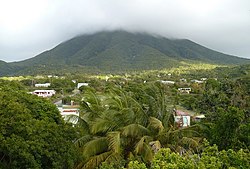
x=120, y=51
x=6, y=68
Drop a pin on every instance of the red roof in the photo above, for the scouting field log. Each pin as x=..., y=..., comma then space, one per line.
x=181, y=113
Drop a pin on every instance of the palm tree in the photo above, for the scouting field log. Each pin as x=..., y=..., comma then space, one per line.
x=118, y=127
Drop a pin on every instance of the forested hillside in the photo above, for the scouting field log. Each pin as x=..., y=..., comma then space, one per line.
x=118, y=51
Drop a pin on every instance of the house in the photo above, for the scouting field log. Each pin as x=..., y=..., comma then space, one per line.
x=181, y=118
x=167, y=82
x=81, y=84
x=42, y=85
x=44, y=93
x=197, y=81
x=69, y=111
x=198, y=118
x=184, y=90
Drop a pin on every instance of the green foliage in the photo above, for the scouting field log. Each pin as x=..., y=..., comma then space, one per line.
x=32, y=133
x=210, y=158
x=121, y=127
x=136, y=165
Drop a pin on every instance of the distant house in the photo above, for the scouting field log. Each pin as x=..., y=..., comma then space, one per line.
x=181, y=118
x=184, y=90
x=67, y=111
x=81, y=84
x=167, y=82
x=44, y=93
x=197, y=81
x=42, y=85
x=198, y=118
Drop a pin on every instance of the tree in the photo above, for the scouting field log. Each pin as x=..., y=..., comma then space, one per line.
x=119, y=127
x=32, y=132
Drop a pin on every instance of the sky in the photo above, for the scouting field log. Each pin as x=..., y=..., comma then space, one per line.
x=29, y=27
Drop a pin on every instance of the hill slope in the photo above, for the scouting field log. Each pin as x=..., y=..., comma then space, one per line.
x=120, y=51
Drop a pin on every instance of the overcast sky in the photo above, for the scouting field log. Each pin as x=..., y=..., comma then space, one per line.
x=29, y=27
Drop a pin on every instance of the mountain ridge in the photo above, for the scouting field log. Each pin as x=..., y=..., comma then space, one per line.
x=112, y=51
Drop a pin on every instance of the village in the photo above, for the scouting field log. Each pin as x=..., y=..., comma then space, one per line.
x=182, y=116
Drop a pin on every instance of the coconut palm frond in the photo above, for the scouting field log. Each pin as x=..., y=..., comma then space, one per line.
x=92, y=98
x=79, y=122
x=140, y=145
x=114, y=141
x=102, y=125
x=85, y=106
x=95, y=146
x=135, y=130
x=156, y=123
x=114, y=157
x=81, y=141
x=191, y=142
x=147, y=153
x=71, y=119
x=96, y=160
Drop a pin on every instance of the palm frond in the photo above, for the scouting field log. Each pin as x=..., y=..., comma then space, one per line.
x=140, y=145
x=135, y=130
x=79, y=122
x=95, y=146
x=114, y=141
x=103, y=125
x=156, y=123
x=81, y=141
x=191, y=142
x=96, y=160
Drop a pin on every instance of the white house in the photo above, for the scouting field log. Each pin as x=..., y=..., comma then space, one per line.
x=44, y=93
x=197, y=81
x=42, y=85
x=184, y=90
x=203, y=79
x=167, y=82
x=67, y=111
x=81, y=84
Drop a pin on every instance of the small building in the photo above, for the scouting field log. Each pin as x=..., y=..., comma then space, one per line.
x=204, y=79
x=69, y=112
x=184, y=90
x=44, y=93
x=81, y=84
x=167, y=82
x=197, y=81
x=42, y=85
x=198, y=118
x=181, y=118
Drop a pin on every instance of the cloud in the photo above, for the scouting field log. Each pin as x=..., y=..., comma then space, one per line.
x=29, y=27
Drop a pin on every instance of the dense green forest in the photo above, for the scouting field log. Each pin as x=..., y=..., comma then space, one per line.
x=128, y=120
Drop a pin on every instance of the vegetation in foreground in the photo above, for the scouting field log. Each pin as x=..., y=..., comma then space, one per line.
x=126, y=123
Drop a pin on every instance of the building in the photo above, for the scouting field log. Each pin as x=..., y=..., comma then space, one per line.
x=81, y=84
x=167, y=82
x=69, y=113
x=42, y=85
x=197, y=81
x=44, y=93
x=184, y=90
x=181, y=118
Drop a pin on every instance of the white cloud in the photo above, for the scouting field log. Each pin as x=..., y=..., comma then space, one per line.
x=29, y=27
